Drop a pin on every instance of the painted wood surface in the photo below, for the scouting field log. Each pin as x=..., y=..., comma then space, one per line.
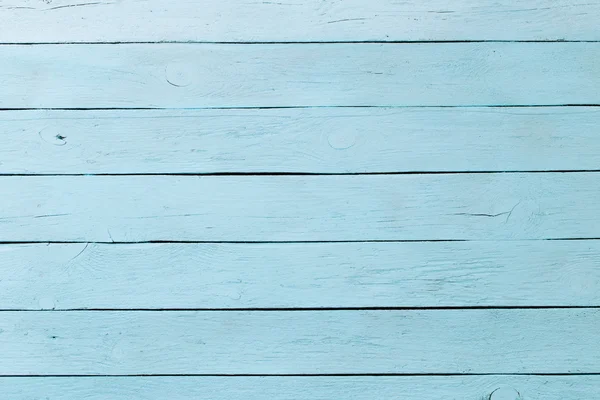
x=293, y=388
x=300, y=208
x=296, y=20
x=299, y=342
x=288, y=75
x=318, y=140
x=502, y=88
x=307, y=275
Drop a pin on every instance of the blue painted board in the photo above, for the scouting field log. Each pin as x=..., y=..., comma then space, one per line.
x=315, y=140
x=300, y=208
x=290, y=275
x=296, y=20
x=501, y=387
x=509, y=341
x=289, y=75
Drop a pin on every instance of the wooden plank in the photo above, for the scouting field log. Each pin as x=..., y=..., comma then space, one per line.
x=300, y=208
x=300, y=342
x=319, y=140
x=278, y=75
x=296, y=20
x=311, y=387
x=158, y=276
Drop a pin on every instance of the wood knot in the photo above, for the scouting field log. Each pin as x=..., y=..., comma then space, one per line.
x=505, y=393
x=53, y=136
x=178, y=74
x=341, y=140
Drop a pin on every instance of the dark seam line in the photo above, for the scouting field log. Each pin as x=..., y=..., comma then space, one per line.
x=302, y=375
x=294, y=42
x=208, y=174
x=227, y=241
x=49, y=242
x=573, y=238
x=300, y=309
x=8, y=109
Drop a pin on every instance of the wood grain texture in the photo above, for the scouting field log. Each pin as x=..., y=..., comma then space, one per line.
x=300, y=208
x=319, y=140
x=294, y=388
x=240, y=93
x=279, y=75
x=300, y=342
x=296, y=20
x=309, y=275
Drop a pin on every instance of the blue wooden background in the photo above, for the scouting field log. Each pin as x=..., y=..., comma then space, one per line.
x=299, y=199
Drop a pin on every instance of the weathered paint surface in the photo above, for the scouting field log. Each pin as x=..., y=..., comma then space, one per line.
x=315, y=140
x=493, y=206
x=314, y=275
x=500, y=387
x=296, y=20
x=299, y=342
x=291, y=75
x=404, y=192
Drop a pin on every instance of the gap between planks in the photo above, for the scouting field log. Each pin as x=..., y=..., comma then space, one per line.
x=302, y=309
x=267, y=173
x=115, y=242
x=292, y=107
x=294, y=42
x=304, y=375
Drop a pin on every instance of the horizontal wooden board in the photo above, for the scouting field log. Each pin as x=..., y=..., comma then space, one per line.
x=299, y=342
x=318, y=140
x=294, y=388
x=308, y=275
x=296, y=20
x=279, y=75
x=300, y=208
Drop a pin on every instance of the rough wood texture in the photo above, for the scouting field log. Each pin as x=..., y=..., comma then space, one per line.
x=300, y=208
x=213, y=75
x=294, y=388
x=420, y=103
x=300, y=342
x=530, y=273
x=328, y=140
x=296, y=20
